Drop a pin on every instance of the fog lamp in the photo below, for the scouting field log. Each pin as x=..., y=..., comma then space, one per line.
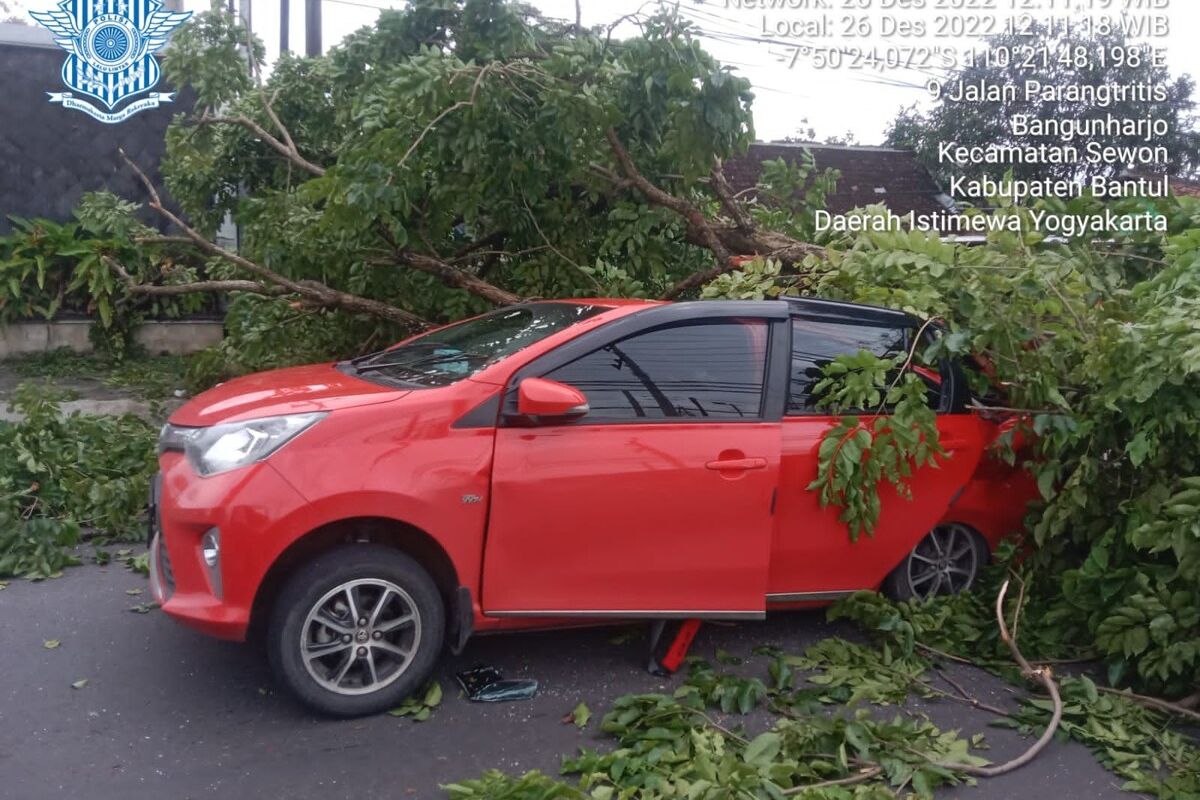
x=210, y=547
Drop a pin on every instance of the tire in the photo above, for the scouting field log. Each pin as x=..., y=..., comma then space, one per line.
x=947, y=560
x=348, y=666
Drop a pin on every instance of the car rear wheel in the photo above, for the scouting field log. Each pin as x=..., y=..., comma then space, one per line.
x=947, y=561
x=356, y=630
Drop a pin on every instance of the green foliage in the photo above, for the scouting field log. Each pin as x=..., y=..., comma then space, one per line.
x=146, y=377
x=862, y=451
x=495, y=785
x=790, y=194
x=852, y=673
x=35, y=548
x=1133, y=741
x=1099, y=343
x=464, y=90
x=671, y=746
x=419, y=707
x=952, y=623
x=49, y=268
x=730, y=693
x=62, y=473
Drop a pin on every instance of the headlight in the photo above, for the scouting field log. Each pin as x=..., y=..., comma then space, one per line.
x=221, y=448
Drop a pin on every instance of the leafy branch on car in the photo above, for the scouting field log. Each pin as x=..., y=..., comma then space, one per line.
x=862, y=449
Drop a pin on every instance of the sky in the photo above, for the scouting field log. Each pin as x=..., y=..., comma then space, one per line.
x=791, y=95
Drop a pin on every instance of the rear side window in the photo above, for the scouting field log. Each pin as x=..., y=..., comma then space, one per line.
x=815, y=343
x=700, y=371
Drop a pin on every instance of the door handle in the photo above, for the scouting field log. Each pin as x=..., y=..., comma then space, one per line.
x=729, y=464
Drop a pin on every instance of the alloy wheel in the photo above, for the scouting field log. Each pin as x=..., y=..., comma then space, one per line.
x=944, y=562
x=360, y=636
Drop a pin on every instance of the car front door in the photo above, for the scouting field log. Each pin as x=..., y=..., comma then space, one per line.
x=813, y=558
x=658, y=501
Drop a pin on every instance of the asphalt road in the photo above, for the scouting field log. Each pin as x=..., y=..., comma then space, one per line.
x=167, y=713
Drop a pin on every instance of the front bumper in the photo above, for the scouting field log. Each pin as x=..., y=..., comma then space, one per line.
x=249, y=507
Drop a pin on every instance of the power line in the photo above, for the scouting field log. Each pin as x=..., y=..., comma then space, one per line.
x=705, y=27
x=360, y=5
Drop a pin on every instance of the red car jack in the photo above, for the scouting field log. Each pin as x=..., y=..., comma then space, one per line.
x=669, y=662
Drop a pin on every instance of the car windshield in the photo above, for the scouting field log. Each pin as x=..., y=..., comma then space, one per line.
x=452, y=353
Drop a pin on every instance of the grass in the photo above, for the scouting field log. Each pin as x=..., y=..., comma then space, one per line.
x=146, y=377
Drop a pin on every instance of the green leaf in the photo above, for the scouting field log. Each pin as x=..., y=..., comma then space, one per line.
x=763, y=749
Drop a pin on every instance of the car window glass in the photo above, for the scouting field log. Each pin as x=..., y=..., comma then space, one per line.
x=815, y=343
x=449, y=354
x=711, y=370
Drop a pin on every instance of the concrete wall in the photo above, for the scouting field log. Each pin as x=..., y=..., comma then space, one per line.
x=174, y=338
x=50, y=155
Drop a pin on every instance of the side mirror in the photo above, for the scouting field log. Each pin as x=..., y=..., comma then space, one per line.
x=542, y=400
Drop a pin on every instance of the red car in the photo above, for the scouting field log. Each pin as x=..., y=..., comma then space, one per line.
x=540, y=465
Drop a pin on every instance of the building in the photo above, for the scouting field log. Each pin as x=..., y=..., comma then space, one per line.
x=49, y=155
x=869, y=175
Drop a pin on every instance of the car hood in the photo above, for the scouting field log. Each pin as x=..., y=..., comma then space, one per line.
x=296, y=390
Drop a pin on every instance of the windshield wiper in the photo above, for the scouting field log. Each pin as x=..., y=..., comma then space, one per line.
x=428, y=361
x=401, y=365
x=354, y=362
x=376, y=354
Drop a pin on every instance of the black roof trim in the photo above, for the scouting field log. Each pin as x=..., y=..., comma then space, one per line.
x=856, y=312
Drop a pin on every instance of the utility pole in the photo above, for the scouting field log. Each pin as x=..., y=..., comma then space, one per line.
x=312, y=27
x=284, y=23
x=244, y=13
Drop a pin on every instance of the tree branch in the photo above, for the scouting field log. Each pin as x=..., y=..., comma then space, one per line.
x=698, y=224
x=162, y=240
x=288, y=151
x=443, y=114
x=729, y=203
x=269, y=103
x=457, y=278
x=723, y=241
x=448, y=273
x=312, y=291
x=964, y=696
x=133, y=285
x=1158, y=704
x=861, y=777
x=1039, y=675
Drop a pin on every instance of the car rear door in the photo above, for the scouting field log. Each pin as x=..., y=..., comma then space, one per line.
x=658, y=501
x=813, y=558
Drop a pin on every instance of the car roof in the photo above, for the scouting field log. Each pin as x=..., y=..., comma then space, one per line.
x=606, y=302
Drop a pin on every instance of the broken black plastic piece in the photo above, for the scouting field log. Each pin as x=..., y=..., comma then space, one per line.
x=487, y=685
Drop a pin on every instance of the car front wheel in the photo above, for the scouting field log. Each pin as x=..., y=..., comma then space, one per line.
x=947, y=561
x=356, y=630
